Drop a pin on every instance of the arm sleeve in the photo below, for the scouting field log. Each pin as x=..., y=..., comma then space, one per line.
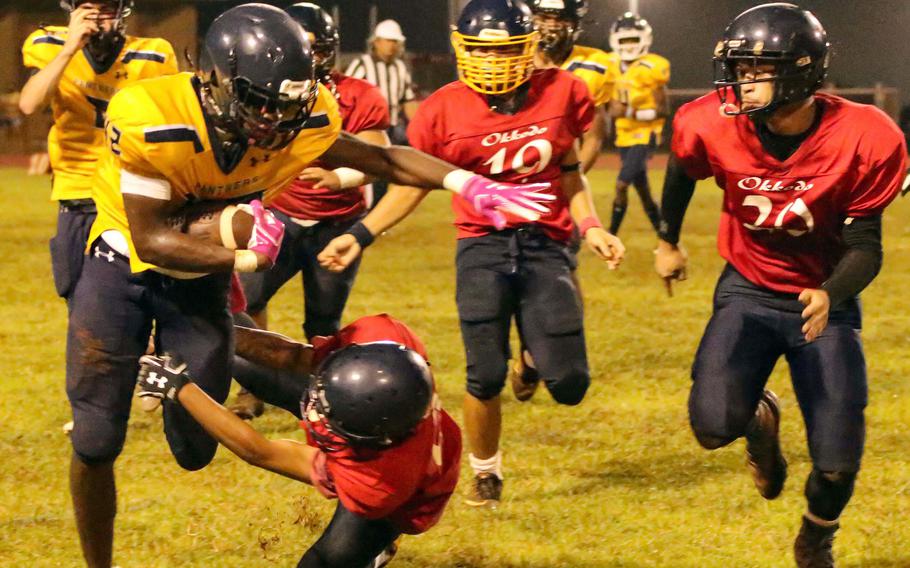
x=421, y=133
x=882, y=182
x=170, y=66
x=370, y=112
x=126, y=140
x=678, y=190
x=40, y=48
x=687, y=145
x=862, y=261
x=582, y=108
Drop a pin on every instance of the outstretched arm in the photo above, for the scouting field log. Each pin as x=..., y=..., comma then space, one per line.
x=160, y=378
x=273, y=350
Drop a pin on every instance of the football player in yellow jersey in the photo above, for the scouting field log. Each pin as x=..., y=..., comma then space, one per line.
x=77, y=69
x=639, y=107
x=559, y=25
x=246, y=124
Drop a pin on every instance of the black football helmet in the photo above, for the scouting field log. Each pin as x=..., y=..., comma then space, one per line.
x=257, y=75
x=779, y=34
x=371, y=395
x=559, y=24
x=325, y=41
x=494, y=43
x=104, y=42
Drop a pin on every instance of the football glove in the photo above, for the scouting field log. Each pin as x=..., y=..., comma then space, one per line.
x=161, y=377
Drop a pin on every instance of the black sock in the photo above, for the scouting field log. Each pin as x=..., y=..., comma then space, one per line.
x=619, y=211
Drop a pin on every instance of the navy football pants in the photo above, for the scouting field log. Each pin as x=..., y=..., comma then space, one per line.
x=523, y=274
x=750, y=329
x=74, y=222
x=111, y=314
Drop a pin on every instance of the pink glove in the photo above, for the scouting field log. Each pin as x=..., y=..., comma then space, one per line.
x=492, y=198
x=268, y=231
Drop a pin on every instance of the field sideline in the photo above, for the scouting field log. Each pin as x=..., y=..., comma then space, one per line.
x=616, y=482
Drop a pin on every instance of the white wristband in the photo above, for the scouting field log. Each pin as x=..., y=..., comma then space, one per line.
x=226, y=227
x=646, y=114
x=350, y=178
x=245, y=261
x=456, y=180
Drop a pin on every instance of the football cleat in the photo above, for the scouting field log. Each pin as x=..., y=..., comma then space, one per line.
x=386, y=556
x=246, y=406
x=524, y=379
x=813, y=546
x=763, y=454
x=485, y=491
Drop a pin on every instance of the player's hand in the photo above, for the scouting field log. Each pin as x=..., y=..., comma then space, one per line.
x=606, y=246
x=818, y=305
x=321, y=178
x=161, y=377
x=83, y=23
x=339, y=253
x=493, y=199
x=670, y=263
x=268, y=232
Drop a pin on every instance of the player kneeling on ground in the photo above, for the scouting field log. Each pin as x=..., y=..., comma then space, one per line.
x=504, y=118
x=377, y=438
x=806, y=177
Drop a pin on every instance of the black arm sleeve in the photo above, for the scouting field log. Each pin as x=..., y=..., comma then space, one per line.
x=678, y=190
x=862, y=261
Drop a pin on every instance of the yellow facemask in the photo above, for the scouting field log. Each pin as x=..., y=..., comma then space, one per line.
x=490, y=75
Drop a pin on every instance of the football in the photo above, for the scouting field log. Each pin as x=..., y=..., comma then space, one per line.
x=217, y=222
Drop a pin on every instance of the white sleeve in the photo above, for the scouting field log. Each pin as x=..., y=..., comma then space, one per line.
x=135, y=184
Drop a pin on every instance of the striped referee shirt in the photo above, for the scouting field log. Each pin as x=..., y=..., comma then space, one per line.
x=393, y=80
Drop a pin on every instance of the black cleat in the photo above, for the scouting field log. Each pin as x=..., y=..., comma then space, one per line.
x=485, y=491
x=763, y=455
x=523, y=378
x=386, y=555
x=812, y=548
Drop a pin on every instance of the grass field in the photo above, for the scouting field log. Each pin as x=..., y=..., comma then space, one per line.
x=616, y=482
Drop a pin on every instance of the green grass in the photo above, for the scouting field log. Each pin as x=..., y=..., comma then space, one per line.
x=616, y=482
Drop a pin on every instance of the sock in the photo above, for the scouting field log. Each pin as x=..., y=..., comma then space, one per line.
x=619, y=211
x=490, y=465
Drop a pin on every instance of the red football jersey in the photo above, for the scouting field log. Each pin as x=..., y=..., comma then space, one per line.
x=781, y=222
x=409, y=483
x=362, y=107
x=456, y=124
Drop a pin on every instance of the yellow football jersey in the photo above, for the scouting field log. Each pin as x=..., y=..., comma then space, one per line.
x=76, y=139
x=156, y=131
x=595, y=68
x=635, y=86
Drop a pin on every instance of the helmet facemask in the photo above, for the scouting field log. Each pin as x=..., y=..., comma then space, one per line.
x=631, y=43
x=106, y=43
x=266, y=119
x=557, y=34
x=793, y=79
x=494, y=63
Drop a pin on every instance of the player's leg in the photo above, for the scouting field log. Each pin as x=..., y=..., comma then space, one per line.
x=623, y=181
x=259, y=288
x=829, y=378
x=643, y=187
x=74, y=222
x=486, y=303
x=550, y=317
x=192, y=321
x=325, y=293
x=737, y=353
x=350, y=541
x=108, y=332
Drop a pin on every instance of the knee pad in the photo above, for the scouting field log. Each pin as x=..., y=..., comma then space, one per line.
x=486, y=382
x=570, y=389
x=829, y=492
x=97, y=439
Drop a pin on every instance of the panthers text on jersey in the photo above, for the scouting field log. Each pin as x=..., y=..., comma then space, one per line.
x=159, y=138
x=456, y=124
x=635, y=86
x=781, y=222
x=596, y=69
x=362, y=108
x=409, y=483
x=76, y=139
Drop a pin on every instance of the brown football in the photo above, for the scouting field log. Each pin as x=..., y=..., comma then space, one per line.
x=204, y=221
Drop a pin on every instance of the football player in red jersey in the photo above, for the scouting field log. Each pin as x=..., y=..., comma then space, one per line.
x=313, y=209
x=377, y=438
x=515, y=124
x=806, y=177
